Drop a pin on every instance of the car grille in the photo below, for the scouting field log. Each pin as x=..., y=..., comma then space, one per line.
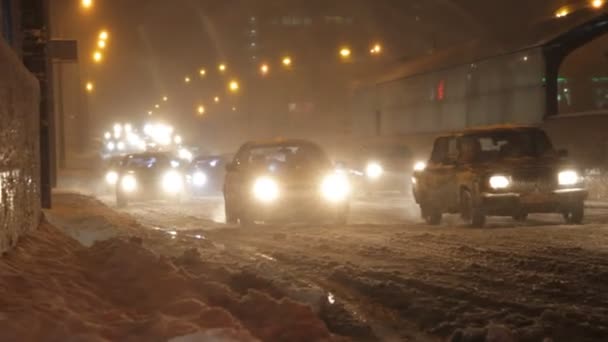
x=530, y=180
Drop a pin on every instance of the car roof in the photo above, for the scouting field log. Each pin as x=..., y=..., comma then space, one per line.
x=490, y=129
x=280, y=142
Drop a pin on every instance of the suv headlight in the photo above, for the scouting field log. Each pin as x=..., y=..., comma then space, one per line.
x=335, y=188
x=568, y=178
x=199, y=179
x=172, y=182
x=128, y=183
x=265, y=189
x=499, y=182
x=111, y=177
x=420, y=166
x=374, y=170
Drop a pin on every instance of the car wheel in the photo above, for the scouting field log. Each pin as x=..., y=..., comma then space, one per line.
x=576, y=214
x=470, y=213
x=431, y=214
x=231, y=218
x=121, y=200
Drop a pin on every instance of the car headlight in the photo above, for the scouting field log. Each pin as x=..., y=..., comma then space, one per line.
x=374, y=170
x=128, y=183
x=568, y=177
x=499, y=182
x=172, y=182
x=420, y=166
x=111, y=177
x=335, y=188
x=265, y=189
x=199, y=179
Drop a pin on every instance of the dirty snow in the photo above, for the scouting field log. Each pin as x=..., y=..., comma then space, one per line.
x=158, y=271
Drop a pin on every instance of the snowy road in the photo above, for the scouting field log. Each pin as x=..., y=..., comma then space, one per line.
x=387, y=276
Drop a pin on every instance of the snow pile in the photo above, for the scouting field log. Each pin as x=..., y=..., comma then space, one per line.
x=52, y=288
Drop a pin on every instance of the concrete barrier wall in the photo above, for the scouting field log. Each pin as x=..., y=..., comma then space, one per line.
x=19, y=149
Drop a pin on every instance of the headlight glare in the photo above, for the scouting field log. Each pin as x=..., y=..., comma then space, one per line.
x=111, y=177
x=419, y=166
x=265, y=189
x=499, y=182
x=128, y=183
x=199, y=179
x=172, y=182
x=335, y=188
x=374, y=170
x=569, y=177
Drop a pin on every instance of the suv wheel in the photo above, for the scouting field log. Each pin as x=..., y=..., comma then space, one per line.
x=576, y=214
x=469, y=212
x=431, y=214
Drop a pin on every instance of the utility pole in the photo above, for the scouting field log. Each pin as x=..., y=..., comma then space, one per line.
x=35, y=33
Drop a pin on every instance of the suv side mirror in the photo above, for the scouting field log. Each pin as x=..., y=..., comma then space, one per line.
x=563, y=153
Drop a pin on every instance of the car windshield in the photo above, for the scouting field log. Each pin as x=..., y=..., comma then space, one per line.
x=148, y=162
x=287, y=156
x=493, y=146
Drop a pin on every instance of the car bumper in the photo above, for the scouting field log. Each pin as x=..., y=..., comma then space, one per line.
x=509, y=203
x=296, y=208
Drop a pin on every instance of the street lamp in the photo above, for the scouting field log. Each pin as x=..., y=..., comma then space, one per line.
x=149, y=112
x=86, y=4
x=97, y=57
x=201, y=110
x=233, y=86
x=222, y=68
x=165, y=99
x=90, y=87
x=345, y=53
x=264, y=69
x=157, y=106
x=562, y=12
x=202, y=72
x=101, y=44
x=103, y=35
x=216, y=99
x=597, y=4
x=187, y=79
x=287, y=62
x=376, y=49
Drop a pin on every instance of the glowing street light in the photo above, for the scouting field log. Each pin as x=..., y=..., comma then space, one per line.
x=201, y=110
x=157, y=106
x=345, y=53
x=86, y=4
x=216, y=99
x=376, y=49
x=222, y=68
x=107, y=135
x=287, y=62
x=202, y=72
x=104, y=35
x=97, y=57
x=562, y=12
x=101, y=44
x=150, y=112
x=90, y=87
x=187, y=79
x=234, y=86
x=597, y=4
x=264, y=69
x=165, y=99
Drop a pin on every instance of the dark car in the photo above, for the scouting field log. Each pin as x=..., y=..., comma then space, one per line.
x=290, y=180
x=384, y=168
x=502, y=171
x=146, y=176
x=206, y=174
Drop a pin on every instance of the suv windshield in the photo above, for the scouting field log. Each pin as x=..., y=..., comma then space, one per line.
x=287, y=155
x=493, y=146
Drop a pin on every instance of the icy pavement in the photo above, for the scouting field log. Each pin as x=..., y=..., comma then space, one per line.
x=384, y=276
